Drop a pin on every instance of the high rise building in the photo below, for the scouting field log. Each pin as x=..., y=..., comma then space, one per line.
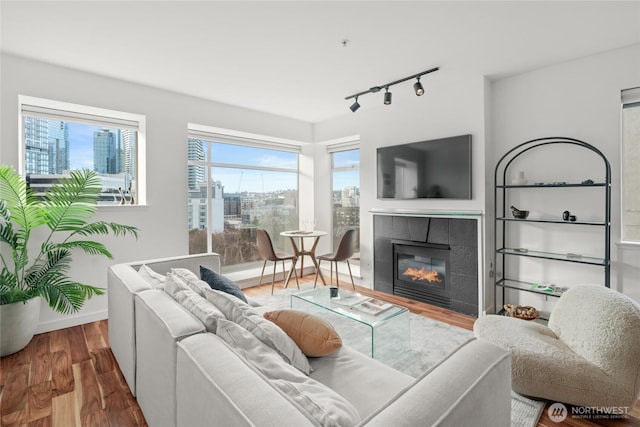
x=107, y=154
x=46, y=146
x=196, y=174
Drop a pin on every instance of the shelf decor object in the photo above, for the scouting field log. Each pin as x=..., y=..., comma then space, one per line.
x=509, y=279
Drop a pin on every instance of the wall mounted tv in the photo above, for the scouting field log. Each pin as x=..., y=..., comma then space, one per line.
x=439, y=168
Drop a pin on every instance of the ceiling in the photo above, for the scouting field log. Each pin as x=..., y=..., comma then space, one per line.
x=288, y=58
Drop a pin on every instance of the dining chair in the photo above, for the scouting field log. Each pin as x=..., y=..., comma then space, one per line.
x=345, y=250
x=268, y=253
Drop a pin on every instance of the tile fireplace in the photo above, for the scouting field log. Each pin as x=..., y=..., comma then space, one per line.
x=428, y=259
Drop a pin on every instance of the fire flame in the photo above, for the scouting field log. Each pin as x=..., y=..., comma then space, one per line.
x=422, y=274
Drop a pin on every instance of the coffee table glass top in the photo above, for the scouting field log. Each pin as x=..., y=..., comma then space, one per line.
x=361, y=308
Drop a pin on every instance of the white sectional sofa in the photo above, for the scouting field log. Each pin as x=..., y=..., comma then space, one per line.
x=183, y=375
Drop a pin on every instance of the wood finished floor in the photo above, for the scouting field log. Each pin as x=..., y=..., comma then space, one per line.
x=70, y=378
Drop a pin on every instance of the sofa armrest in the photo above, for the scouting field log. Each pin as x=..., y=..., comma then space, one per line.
x=160, y=324
x=473, y=385
x=123, y=284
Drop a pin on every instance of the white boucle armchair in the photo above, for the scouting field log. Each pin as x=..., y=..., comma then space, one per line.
x=589, y=355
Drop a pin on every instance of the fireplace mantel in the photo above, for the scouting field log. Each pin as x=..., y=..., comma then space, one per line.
x=443, y=213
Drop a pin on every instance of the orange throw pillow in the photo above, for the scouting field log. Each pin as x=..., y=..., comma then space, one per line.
x=314, y=336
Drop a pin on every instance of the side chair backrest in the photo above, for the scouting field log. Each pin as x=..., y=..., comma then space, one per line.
x=265, y=246
x=347, y=245
x=603, y=326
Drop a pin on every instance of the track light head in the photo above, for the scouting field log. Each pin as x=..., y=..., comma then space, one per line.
x=418, y=88
x=354, y=107
x=387, y=97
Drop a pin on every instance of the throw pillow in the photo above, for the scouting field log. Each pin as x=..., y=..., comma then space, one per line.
x=156, y=280
x=316, y=400
x=314, y=335
x=191, y=280
x=221, y=283
x=246, y=316
x=174, y=284
x=202, y=309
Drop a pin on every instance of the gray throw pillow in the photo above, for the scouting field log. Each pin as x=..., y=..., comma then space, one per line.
x=221, y=283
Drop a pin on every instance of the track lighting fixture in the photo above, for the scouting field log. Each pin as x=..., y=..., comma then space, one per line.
x=387, y=96
x=354, y=107
x=417, y=87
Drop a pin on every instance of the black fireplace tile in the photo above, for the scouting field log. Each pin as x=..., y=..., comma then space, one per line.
x=401, y=228
x=387, y=288
x=464, y=288
x=383, y=273
x=465, y=308
x=464, y=260
x=383, y=249
x=438, y=231
x=463, y=232
x=383, y=226
x=418, y=228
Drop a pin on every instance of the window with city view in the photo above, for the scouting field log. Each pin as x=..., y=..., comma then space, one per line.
x=235, y=189
x=346, y=196
x=630, y=160
x=59, y=137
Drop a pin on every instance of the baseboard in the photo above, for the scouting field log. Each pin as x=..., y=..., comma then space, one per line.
x=69, y=321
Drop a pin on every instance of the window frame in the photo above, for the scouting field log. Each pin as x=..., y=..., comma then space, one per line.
x=227, y=136
x=347, y=144
x=630, y=98
x=30, y=106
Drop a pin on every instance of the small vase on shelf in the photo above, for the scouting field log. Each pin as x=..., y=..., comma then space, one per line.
x=519, y=180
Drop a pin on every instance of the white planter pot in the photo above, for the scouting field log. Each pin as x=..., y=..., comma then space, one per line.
x=18, y=324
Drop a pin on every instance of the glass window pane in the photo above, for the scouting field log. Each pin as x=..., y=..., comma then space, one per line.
x=53, y=148
x=229, y=203
x=630, y=172
x=252, y=156
x=346, y=197
x=345, y=159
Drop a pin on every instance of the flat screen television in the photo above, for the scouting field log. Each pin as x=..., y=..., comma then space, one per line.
x=439, y=168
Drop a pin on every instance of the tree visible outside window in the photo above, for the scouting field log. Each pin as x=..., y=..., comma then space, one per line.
x=346, y=196
x=235, y=189
x=60, y=137
x=630, y=162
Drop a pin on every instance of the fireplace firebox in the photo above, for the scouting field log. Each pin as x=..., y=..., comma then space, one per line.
x=420, y=272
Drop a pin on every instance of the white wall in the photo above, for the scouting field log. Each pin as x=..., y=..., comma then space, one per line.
x=578, y=99
x=163, y=222
x=456, y=108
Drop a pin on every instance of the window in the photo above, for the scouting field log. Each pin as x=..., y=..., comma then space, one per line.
x=58, y=137
x=235, y=186
x=345, y=178
x=630, y=161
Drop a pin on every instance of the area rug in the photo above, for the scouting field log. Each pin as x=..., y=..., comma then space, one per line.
x=430, y=342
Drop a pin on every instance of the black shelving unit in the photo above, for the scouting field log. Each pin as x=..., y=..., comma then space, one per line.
x=502, y=170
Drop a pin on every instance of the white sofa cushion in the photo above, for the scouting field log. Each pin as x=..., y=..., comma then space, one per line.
x=204, y=310
x=268, y=332
x=318, y=401
x=156, y=280
x=190, y=279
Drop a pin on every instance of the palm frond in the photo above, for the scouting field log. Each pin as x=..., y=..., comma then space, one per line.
x=57, y=261
x=88, y=246
x=104, y=227
x=66, y=296
x=69, y=204
x=19, y=201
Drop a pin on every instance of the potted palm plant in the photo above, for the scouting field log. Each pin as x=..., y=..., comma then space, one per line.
x=38, y=236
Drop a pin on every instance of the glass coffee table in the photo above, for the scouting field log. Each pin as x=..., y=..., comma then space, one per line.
x=368, y=324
